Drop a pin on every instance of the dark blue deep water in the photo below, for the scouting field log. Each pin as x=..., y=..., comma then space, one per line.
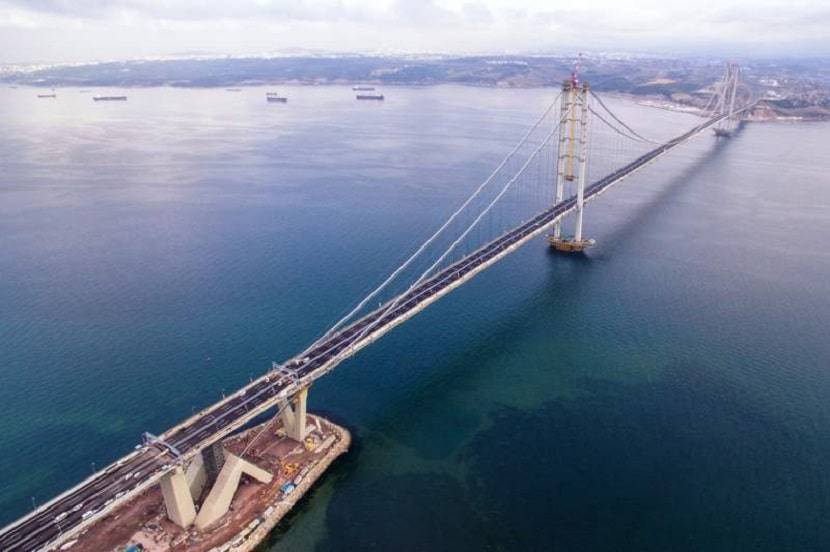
x=668, y=391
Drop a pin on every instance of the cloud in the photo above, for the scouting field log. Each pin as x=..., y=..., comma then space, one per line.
x=775, y=18
x=196, y=10
x=35, y=29
x=426, y=12
x=477, y=13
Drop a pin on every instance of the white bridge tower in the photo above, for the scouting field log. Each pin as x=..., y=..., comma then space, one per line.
x=572, y=160
x=726, y=91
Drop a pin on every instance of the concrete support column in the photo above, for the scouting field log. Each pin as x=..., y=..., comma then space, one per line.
x=177, y=498
x=219, y=498
x=214, y=459
x=196, y=474
x=294, y=416
x=583, y=162
x=564, y=148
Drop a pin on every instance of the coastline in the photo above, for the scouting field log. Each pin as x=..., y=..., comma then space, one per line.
x=763, y=112
x=283, y=506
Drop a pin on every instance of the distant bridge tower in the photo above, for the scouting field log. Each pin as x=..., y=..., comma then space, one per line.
x=726, y=91
x=572, y=160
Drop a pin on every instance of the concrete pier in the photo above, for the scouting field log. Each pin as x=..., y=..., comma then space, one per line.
x=219, y=499
x=294, y=415
x=177, y=498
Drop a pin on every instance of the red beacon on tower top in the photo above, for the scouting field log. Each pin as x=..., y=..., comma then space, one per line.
x=575, y=72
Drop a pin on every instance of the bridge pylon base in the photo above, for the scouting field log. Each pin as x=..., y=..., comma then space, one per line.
x=568, y=245
x=294, y=415
x=177, y=498
x=219, y=498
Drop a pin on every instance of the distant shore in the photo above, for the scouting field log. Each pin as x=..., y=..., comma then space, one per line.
x=764, y=112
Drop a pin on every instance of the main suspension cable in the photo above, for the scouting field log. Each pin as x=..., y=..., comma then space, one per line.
x=396, y=301
x=615, y=129
x=440, y=230
x=620, y=121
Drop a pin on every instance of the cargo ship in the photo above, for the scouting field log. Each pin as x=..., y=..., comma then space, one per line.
x=47, y=95
x=274, y=97
x=109, y=98
x=363, y=88
x=369, y=96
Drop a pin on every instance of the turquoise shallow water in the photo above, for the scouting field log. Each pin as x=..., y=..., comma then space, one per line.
x=669, y=391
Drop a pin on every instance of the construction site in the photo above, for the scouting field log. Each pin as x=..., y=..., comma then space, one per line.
x=237, y=509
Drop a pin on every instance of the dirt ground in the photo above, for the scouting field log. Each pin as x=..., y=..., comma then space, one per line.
x=143, y=520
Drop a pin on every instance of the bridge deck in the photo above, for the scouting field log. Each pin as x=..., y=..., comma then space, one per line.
x=108, y=488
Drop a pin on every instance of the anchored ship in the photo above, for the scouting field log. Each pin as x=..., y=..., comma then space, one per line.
x=275, y=97
x=369, y=96
x=363, y=88
x=109, y=98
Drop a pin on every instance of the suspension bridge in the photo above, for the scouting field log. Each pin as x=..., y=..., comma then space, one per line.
x=548, y=167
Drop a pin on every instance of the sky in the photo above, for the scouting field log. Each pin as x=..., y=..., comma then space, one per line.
x=33, y=31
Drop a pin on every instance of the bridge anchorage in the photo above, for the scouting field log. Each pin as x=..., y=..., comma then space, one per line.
x=218, y=473
x=572, y=161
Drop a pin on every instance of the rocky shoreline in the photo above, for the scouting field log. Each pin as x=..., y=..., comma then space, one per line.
x=248, y=539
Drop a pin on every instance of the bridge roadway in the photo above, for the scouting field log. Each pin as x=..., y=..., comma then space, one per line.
x=67, y=514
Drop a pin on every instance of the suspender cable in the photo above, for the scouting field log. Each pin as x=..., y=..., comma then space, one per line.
x=615, y=129
x=438, y=232
x=394, y=303
x=628, y=128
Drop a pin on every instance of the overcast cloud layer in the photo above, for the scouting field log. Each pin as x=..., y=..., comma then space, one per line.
x=86, y=30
